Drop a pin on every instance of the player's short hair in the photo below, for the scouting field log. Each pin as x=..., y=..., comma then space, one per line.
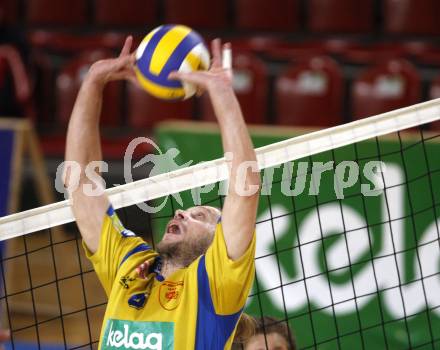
x=267, y=325
x=214, y=211
x=246, y=329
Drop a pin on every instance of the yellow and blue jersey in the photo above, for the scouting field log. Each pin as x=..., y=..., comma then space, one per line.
x=197, y=307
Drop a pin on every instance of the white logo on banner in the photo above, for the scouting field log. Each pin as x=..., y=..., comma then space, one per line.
x=387, y=268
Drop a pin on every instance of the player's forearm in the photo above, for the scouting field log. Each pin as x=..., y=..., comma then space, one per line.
x=240, y=206
x=83, y=146
x=89, y=202
x=235, y=136
x=83, y=136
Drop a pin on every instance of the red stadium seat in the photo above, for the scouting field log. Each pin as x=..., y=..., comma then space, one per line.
x=310, y=93
x=8, y=11
x=276, y=15
x=69, y=81
x=250, y=85
x=375, y=52
x=434, y=92
x=3, y=70
x=53, y=145
x=385, y=87
x=68, y=43
x=144, y=110
x=197, y=13
x=11, y=64
x=341, y=16
x=412, y=16
x=419, y=50
x=257, y=43
x=127, y=12
x=56, y=12
x=297, y=51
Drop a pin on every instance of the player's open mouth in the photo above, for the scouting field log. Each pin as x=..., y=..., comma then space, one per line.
x=174, y=229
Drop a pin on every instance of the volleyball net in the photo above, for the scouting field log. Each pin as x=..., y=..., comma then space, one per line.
x=348, y=240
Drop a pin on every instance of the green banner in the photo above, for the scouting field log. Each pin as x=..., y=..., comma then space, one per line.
x=122, y=334
x=347, y=240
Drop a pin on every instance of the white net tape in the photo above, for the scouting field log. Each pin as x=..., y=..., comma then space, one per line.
x=214, y=171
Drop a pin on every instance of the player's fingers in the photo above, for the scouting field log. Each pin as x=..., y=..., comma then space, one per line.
x=145, y=266
x=118, y=76
x=134, y=80
x=227, y=56
x=127, y=61
x=129, y=72
x=127, y=46
x=200, y=92
x=216, y=53
x=141, y=272
x=120, y=64
x=198, y=78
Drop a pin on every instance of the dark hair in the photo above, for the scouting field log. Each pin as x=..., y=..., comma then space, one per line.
x=268, y=324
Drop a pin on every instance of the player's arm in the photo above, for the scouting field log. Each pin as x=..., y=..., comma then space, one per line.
x=240, y=207
x=83, y=143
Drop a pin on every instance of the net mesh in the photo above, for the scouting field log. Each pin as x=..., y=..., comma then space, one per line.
x=348, y=254
x=359, y=271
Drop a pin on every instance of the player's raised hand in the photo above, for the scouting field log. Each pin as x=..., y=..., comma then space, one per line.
x=218, y=76
x=143, y=269
x=120, y=68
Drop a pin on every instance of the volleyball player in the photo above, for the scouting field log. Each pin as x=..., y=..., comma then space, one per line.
x=199, y=277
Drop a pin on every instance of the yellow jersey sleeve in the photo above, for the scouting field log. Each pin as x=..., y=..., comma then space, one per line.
x=230, y=281
x=116, y=245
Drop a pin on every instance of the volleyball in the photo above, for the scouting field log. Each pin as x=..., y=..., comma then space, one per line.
x=165, y=49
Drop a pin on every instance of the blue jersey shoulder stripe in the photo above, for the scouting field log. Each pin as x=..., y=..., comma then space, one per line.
x=140, y=248
x=212, y=330
x=110, y=210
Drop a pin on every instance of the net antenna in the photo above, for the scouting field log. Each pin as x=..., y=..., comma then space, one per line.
x=216, y=170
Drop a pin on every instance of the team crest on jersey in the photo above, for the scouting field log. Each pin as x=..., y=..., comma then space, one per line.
x=170, y=294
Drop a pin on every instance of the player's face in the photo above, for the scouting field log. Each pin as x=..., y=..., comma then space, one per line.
x=191, y=225
x=274, y=341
